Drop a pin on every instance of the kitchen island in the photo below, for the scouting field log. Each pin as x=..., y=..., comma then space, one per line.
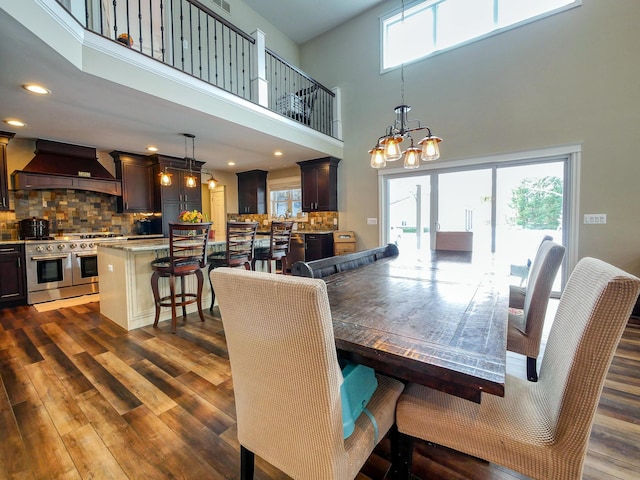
x=124, y=272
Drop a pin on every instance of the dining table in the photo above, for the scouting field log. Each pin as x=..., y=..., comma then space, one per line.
x=441, y=322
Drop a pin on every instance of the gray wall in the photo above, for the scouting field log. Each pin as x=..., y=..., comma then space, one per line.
x=572, y=78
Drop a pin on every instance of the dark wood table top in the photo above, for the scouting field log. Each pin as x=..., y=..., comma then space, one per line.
x=442, y=324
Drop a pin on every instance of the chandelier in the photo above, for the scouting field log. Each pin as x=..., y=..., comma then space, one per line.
x=387, y=148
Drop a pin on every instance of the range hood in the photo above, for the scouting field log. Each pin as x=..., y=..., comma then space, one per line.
x=65, y=166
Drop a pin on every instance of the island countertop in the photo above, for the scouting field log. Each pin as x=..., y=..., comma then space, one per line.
x=150, y=244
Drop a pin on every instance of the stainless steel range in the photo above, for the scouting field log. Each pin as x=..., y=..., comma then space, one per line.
x=63, y=267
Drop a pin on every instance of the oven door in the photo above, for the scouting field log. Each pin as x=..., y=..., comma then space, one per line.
x=85, y=268
x=48, y=271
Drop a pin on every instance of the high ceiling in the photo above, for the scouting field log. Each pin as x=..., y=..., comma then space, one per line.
x=87, y=110
x=303, y=20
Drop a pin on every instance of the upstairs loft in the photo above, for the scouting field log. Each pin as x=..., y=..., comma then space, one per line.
x=182, y=52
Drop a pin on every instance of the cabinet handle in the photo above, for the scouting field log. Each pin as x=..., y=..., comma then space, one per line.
x=126, y=205
x=7, y=249
x=19, y=262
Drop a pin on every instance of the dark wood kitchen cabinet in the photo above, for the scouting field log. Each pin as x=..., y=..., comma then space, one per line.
x=12, y=275
x=252, y=191
x=136, y=173
x=317, y=246
x=177, y=197
x=5, y=137
x=319, y=180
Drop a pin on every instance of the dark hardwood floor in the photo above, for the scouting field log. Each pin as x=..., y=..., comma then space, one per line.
x=83, y=398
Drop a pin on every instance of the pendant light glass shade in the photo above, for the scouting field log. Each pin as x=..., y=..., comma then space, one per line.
x=430, y=148
x=165, y=178
x=212, y=183
x=377, y=157
x=190, y=180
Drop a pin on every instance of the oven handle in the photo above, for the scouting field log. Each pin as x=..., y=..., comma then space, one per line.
x=87, y=254
x=51, y=257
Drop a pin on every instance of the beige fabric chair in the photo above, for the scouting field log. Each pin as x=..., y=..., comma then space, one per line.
x=539, y=429
x=286, y=377
x=518, y=292
x=525, y=328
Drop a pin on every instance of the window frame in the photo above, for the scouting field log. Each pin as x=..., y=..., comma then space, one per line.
x=432, y=4
x=287, y=183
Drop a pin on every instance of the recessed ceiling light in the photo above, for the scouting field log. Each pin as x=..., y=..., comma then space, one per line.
x=277, y=153
x=152, y=149
x=39, y=89
x=15, y=123
x=231, y=164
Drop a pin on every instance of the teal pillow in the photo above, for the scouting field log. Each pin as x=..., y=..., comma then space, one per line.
x=357, y=389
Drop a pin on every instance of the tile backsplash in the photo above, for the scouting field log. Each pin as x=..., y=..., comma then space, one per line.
x=68, y=211
x=312, y=222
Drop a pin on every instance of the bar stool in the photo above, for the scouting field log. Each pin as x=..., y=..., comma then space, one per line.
x=279, y=242
x=241, y=237
x=187, y=255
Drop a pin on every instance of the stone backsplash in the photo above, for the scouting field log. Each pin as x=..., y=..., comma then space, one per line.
x=311, y=222
x=68, y=211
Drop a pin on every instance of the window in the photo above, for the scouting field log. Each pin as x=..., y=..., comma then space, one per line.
x=285, y=197
x=436, y=25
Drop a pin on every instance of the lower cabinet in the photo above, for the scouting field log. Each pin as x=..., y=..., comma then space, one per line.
x=317, y=246
x=12, y=275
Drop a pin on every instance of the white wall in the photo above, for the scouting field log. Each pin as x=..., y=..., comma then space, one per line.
x=569, y=79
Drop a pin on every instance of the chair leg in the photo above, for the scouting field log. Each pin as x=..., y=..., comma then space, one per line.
x=172, y=292
x=401, y=455
x=182, y=297
x=246, y=464
x=283, y=262
x=200, y=278
x=156, y=296
x=532, y=373
x=213, y=293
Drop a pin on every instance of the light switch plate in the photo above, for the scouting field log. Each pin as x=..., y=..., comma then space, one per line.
x=595, y=218
x=372, y=221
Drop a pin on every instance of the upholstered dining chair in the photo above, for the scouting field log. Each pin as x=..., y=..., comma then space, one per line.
x=241, y=237
x=286, y=378
x=518, y=292
x=539, y=429
x=279, y=242
x=524, y=332
x=187, y=255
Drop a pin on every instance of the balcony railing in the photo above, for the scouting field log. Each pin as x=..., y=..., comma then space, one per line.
x=192, y=38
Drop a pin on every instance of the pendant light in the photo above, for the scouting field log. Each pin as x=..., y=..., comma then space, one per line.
x=165, y=177
x=212, y=183
x=190, y=180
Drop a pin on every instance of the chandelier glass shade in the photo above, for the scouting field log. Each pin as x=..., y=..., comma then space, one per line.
x=388, y=148
x=212, y=183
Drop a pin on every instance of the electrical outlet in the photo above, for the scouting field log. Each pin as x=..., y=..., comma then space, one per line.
x=595, y=218
x=110, y=268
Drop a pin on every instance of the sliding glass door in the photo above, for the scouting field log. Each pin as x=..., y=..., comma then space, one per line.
x=507, y=206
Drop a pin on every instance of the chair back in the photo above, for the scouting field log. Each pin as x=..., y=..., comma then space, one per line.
x=187, y=245
x=286, y=377
x=280, y=239
x=241, y=237
x=543, y=273
x=592, y=314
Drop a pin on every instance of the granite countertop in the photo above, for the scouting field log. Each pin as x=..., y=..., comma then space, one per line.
x=63, y=238
x=147, y=245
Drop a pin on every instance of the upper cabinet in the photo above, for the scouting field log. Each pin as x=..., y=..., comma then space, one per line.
x=177, y=197
x=136, y=173
x=5, y=137
x=319, y=184
x=252, y=192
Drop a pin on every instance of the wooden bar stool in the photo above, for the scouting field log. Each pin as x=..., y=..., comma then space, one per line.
x=279, y=242
x=187, y=255
x=241, y=237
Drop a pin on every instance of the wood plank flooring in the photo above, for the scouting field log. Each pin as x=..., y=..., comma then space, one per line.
x=83, y=398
